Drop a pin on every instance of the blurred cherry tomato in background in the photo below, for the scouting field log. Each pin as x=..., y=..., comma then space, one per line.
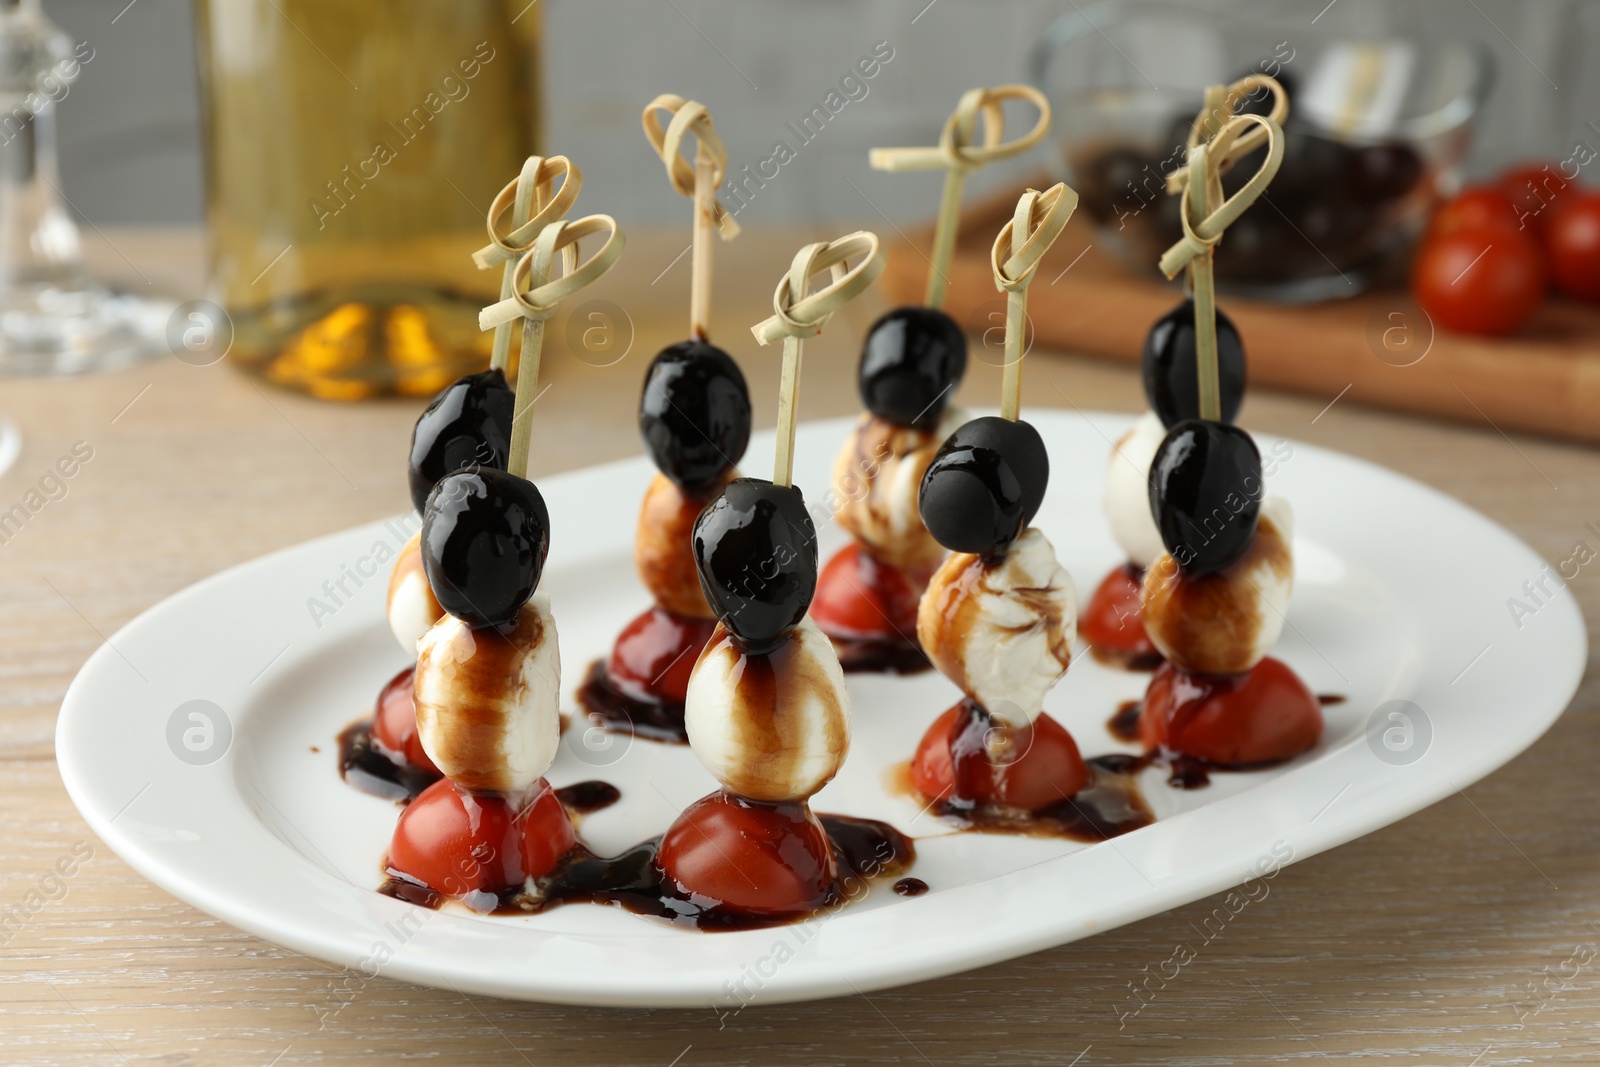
x=1536, y=190
x=1485, y=280
x=1572, y=238
x=1477, y=207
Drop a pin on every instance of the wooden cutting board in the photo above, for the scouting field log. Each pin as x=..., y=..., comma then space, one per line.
x=1378, y=348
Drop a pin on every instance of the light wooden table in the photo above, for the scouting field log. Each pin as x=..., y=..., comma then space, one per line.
x=1445, y=939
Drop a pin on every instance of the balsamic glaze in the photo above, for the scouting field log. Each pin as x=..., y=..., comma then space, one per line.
x=1109, y=806
x=911, y=887
x=609, y=707
x=585, y=798
x=366, y=766
x=1124, y=724
x=862, y=848
x=1124, y=660
x=1183, y=772
x=878, y=655
x=1328, y=700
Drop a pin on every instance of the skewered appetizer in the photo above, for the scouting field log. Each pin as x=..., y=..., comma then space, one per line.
x=766, y=709
x=694, y=416
x=911, y=363
x=1172, y=385
x=1214, y=602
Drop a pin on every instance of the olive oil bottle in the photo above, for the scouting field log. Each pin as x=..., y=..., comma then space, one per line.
x=352, y=148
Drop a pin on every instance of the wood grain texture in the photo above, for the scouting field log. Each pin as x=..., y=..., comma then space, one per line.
x=1379, y=345
x=1414, y=945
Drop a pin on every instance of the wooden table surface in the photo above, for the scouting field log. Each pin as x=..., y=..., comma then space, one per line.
x=1466, y=934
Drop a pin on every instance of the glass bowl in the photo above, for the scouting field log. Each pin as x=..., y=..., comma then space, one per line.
x=1377, y=129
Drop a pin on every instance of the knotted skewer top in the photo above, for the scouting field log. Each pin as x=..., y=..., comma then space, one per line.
x=1221, y=101
x=957, y=154
x=955, y=150
x=538, y=178
x=535, y=294
x=689, y=117
x=1204, y=198
x=798, y=314
x=1023, y=242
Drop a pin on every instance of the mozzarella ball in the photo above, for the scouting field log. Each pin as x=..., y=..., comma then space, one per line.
x=413, y=609
x=1002, y=630
x=770, y=727
x=1225, y=623
x=489, y=704
x=1128, y=491
x=662, y=548
x=876, y=478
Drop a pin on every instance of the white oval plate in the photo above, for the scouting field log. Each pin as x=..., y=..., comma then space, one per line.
x=1400, y=595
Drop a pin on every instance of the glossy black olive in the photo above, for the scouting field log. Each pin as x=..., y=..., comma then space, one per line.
x=467, y=425
x=984, y=486
x=911, y=363
x=1205, y=492
x=1171, y=379
x=485, y=534
x=694, y=413
x=755, y=547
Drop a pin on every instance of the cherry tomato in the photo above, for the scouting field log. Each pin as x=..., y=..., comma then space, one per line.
x=1236, y=720
x=1536, y=190
x=1476, y=208
x=457, y=843
x=748, y=857
x=1111, y=622
x=1573, y=240
x=1488, y=280
x=1048, y=771
x=656, y=653
x=859, y=597
x=394, y=726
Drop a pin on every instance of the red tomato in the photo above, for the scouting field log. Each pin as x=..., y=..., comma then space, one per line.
x=1236, y=720
x=1487, y=280
x=859, y=597
x=456, y=842
x=1049, y=770
x=750, y=858
x=394, y=726
x=656, y=653
x=1476, y=208
x=1573, y=241
x=1536, y=190
x=1111, y=622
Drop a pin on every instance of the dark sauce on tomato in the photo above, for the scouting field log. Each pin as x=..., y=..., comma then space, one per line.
x=609, y=707
x=863, y=849
x=367, y=766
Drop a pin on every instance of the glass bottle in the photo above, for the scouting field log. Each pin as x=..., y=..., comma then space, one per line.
x=352, y=149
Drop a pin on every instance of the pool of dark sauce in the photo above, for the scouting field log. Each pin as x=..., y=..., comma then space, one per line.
x=876, y=655
x=1184, y=772
x=365, y=764
x=911, y=887
x=1123, y=660
x=862, y=848
x=609, y=707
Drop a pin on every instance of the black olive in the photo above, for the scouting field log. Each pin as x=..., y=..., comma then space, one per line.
x=1205, y=493
x=1171, y=378
x=911, y=363
x=467, y=425
x=694, y=413
x=485, y=534
x=984, y=486
x=755, y=547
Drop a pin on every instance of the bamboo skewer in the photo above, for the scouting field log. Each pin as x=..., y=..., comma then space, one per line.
x=536, y=296
x=1034, y=227
x=958, y=156
x=797, y=314
x=699, y=183
x=534, y=203
x=1200, y=181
